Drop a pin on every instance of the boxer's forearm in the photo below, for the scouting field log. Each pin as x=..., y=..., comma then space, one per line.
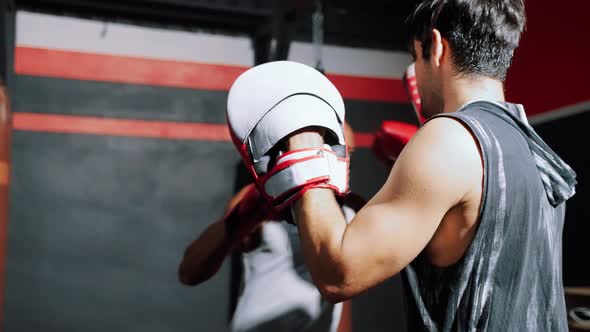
x=321, y=227
x=321, y=230
x=205, y=255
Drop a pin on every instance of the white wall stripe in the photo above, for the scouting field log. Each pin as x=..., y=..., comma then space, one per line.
x=90, y=36
x=354, y=61
x=559, y=113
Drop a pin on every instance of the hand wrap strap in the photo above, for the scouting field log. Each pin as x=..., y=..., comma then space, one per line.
x=297, y=171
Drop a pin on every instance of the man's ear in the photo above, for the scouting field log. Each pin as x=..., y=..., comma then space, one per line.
x=438, y=48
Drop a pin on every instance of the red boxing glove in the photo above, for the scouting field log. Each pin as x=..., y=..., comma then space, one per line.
x=412, y=88
x=251, y=210
x=391, y=139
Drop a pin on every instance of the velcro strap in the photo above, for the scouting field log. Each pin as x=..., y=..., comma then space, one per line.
x=300, y=169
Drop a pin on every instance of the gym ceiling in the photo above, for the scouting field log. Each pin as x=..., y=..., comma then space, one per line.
x=369, y=23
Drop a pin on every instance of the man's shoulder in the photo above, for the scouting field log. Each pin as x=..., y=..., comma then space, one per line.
x=445, y=136
x=442, y=157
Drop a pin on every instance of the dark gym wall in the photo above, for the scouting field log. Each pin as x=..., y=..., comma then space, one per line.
x=120, y=158
x=566, y=137
x=99, y=222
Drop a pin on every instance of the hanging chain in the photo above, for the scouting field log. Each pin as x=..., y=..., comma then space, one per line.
x=317, y=29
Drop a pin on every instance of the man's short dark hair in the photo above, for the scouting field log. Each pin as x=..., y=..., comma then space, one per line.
x=482, y=34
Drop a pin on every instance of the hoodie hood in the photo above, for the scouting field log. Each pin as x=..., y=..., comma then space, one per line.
x=558, y=178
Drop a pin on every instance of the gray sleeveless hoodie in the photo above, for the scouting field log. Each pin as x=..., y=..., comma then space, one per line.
x=510, y=278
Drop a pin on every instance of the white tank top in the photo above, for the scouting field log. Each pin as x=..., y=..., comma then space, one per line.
x=277, y=292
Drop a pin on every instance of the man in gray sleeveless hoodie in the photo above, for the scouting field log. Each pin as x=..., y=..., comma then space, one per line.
x=473, y=209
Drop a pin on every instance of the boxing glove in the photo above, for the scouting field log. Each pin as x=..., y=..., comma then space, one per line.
x=391, y=139
x=250, y=211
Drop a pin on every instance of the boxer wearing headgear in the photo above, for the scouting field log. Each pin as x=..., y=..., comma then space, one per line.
x=473, y=208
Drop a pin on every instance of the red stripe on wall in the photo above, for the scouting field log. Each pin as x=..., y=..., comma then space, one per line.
x=71, y=124
x=54, y=123
x=370, y=89
x=123, y=69
x=135, y=70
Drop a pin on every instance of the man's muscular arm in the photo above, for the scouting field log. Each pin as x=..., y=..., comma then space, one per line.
x=433, y=174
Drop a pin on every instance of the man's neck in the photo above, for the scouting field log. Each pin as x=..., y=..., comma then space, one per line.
x=465, y=90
